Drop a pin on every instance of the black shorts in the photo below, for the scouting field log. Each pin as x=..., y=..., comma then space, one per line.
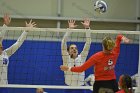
x=110, y=84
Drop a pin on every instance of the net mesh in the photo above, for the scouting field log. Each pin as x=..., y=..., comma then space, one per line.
x=37, y=62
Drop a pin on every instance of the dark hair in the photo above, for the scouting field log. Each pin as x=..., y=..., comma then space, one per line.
x=68, y=47
x=127, y=84
x=108, y=43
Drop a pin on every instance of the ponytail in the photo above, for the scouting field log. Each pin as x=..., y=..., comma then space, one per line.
x=108, y=43
x=127, y=84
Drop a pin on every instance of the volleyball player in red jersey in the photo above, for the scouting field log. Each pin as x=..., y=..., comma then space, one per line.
x=104, y=63
x=125, y=84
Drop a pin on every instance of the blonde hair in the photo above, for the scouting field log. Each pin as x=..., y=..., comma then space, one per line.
x=108, y=43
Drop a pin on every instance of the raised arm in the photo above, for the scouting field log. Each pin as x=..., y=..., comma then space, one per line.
x=118, y=42
x=64, y=51
x=64, y=48
x=11, y=50
x=6, y=22
x=86, y=48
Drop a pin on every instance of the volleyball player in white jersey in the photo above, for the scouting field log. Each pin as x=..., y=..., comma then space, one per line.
x=135, y=80
x=6, y=22
x=40, y=90
x=71, y=58
x=90, y=79
x=6, y=53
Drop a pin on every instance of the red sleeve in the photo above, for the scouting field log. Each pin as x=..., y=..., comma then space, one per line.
x=117, y=44
x=90, y=62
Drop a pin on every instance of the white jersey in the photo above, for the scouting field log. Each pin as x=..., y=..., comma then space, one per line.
x=4, y=57
x=4, y=61
x=90, y=79
x=135, y=78
x=73, y=78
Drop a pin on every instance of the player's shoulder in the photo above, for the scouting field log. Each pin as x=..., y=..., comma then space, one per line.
x=4, y=52
x=98, y=55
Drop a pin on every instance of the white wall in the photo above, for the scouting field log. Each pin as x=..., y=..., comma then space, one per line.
x=29, y=7
x=120, y=9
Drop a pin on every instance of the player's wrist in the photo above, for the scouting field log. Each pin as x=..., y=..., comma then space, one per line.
x=123, y=38
x=69, y=69
x=87, y=28
x=4, y=25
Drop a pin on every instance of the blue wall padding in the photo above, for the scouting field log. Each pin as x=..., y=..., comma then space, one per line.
x=37, y=63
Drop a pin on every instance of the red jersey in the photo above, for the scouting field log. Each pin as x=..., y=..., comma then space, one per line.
x=121, y=91
x=104, y=64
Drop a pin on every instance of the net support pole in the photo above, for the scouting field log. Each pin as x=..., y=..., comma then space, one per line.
x=138, y=87
x=138, y=29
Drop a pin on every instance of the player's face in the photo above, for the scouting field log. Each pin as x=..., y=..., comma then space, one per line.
x=73, y=51
x=39, y=90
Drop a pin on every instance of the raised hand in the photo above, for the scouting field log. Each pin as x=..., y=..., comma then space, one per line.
x=86, y=23
x=30, y=24
x=6, y=19
x=72, y=24
x=126, y=40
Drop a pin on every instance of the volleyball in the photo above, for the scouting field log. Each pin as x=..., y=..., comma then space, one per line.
x=100, y=6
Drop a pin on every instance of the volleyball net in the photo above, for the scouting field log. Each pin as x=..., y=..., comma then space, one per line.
x=36, y=64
